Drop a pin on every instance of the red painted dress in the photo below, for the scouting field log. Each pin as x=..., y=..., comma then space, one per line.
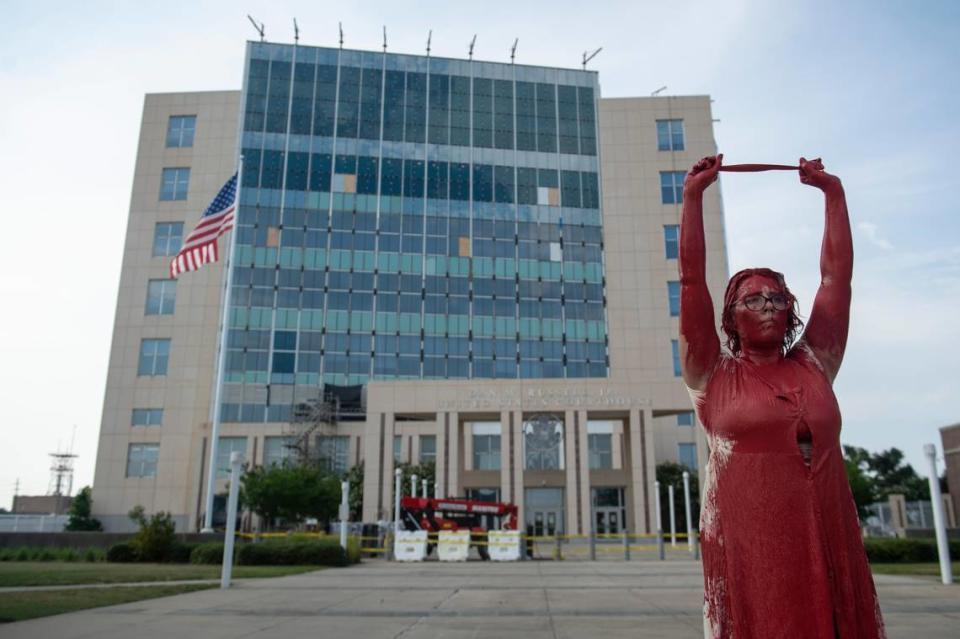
x=782, y=552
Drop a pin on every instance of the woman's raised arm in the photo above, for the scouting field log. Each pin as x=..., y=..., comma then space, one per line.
x=826, y=333
x=699, y=344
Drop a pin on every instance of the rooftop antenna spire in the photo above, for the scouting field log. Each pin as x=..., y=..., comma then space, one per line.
x=513, y=50
x=657, y=92
x=384, y=38
x=341, y=34
x=429, y=37
x=296, y=31
x=472, y=42
x=588, y=58
x=258, y=27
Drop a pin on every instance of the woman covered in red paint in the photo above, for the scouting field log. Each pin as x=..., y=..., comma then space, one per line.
x=782, y=552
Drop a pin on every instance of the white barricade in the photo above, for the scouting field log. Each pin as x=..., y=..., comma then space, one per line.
x=411, y=545
x=454, y=545
x=504, y=545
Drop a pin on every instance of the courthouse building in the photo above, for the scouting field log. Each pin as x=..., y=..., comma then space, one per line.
x=488, y=249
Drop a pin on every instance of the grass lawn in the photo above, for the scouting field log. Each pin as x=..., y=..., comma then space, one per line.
x=17, y=606
x=54, y=573
x=932, y=569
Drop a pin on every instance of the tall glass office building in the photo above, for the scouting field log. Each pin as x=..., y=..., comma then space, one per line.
x=488, y=249
x=414, y=217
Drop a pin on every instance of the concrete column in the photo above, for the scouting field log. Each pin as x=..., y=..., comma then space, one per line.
x=456, y=441
x=516, y=435
x=441, y=448
x=570, y=495
x=898, y=514
x=586, y=494
x=374, y=497
x=637, y=478
x=504, y=455
x=651, y=457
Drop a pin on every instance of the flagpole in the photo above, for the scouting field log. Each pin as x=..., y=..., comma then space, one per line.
x=221, y=362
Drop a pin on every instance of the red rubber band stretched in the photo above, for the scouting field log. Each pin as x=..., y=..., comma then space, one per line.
x=749, y=168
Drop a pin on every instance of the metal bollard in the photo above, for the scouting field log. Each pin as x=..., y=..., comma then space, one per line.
x=593, y=544
x=558, y=553
x=626, y=545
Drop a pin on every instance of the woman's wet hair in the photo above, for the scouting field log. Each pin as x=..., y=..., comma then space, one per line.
x=794, y=323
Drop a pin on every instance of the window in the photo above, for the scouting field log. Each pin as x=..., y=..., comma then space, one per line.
x=671, y=241
x=226, y=446
x=154, y=354
x=671, y=186
x=685, y=419
x=147, y=417
x=428, y=448
x=670, y=135
x=142, y=460
x=167, y=238
x=601, y=450
x=180, y=130
x=673, y=298
x=486, y=445
x=277, y=450
x=687, y=455
x=174, y=184
x=397, y=448
x=675, y=347
x=161, y=297
x=483, y=494
x=543, y=443
x=334, y=453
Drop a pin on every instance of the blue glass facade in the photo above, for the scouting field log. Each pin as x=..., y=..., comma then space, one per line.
x=412, y=217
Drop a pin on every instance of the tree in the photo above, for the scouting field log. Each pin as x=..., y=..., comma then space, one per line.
x=862, y=485
x=669, y=473
x=887, y=474
x=80, y=512
x=426, y=470
x=291, y=493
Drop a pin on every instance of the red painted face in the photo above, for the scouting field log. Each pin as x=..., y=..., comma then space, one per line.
x=764, y=328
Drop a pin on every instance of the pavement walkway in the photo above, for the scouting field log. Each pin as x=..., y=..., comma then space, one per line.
x=532, y=600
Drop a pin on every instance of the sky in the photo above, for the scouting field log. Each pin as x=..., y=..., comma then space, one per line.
x=870, y=87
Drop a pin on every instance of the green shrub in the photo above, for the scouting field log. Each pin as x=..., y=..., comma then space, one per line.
x=23, y=554
x=46, y=554
x=179, y=552
x=155, y=539
x=906, y=550
x=122, y=553
x=292, y=553
x=69, y=554
x=208, y=553
x=94, y=554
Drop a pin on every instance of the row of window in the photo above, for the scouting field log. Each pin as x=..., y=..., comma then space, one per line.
x=416, y=107
x=416, y=178
x=333, y=453
x=181, y=129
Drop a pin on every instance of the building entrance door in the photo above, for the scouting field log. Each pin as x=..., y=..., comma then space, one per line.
x=609, y=510
x=543, y=511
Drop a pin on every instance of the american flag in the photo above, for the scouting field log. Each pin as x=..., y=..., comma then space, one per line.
x=200, y=247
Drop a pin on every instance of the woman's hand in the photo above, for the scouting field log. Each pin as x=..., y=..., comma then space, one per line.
x=812, y=173
x=702, y=175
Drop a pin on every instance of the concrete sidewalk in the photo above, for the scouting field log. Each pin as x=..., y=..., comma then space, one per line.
x=532, y=600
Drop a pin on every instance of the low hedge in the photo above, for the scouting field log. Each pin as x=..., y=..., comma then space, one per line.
x=208, y=553
x=893, y=551
x=28, y=553
x=180, y=553
x=282, y=552
x=122, y=553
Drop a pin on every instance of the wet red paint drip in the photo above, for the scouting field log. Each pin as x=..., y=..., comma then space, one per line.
x=782, y=551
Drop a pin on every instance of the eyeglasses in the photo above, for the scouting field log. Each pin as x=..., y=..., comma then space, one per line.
x=758, y=301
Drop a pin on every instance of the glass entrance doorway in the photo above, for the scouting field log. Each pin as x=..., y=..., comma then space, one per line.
x=543, y=511
x=609, y=510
